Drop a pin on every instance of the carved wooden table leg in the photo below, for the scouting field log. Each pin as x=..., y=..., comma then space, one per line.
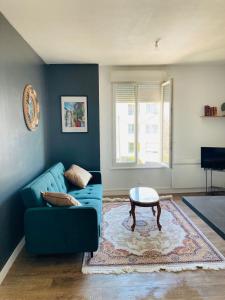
x=130, y=208
x=134, y=217
x=158, y=216
x=153, y=210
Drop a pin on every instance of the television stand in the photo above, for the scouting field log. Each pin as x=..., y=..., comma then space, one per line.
x=211, y=180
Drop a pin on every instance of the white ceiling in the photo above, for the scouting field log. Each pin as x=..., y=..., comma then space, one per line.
x=121, y=32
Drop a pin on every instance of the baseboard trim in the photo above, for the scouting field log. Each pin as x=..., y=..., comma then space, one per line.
x=161, y=190
x=11, y=260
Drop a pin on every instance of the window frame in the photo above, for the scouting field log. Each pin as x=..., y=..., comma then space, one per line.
x=133, y=165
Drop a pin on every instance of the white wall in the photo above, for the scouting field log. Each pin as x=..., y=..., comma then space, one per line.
x=194, y=86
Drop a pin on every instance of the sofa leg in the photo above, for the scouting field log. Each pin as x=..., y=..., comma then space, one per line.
x=91, y=254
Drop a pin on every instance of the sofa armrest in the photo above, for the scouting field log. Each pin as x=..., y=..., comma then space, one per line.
x=61, y=229
x=96, y=177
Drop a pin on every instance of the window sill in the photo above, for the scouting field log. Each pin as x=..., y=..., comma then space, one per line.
x=149, y=166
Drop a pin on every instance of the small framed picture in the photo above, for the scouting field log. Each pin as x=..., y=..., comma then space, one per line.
x=74, y=113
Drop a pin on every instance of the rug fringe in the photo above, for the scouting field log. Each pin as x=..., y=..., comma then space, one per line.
x=119, y=199
x=166, y=197
x=151, y=269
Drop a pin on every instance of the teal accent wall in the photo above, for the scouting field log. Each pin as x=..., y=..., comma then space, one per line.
x=23, y=154
x=79, y=148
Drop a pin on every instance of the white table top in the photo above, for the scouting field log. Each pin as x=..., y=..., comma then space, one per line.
x=144, y=195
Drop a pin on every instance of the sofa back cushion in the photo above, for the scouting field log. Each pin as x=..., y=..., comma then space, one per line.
x=57, y=172
x=31, y=193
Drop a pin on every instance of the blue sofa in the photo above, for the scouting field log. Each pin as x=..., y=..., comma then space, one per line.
x=72, y=229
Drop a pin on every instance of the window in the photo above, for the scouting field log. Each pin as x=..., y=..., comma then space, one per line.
x=130, y=128
x=142, y=117
x=151, y=128
x=131, y=148
x=131, y=109
x=148, y=108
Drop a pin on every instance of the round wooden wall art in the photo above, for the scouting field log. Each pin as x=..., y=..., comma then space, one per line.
x=31, y=108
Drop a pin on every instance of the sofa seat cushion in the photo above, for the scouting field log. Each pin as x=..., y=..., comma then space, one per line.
x=92, y=191
x=94, y=203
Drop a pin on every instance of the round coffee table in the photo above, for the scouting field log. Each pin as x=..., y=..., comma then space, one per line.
x=144, y=197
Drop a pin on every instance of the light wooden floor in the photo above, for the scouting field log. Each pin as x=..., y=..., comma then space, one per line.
x=59, y=277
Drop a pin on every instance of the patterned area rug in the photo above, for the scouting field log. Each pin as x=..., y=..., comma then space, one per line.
x=179, y=246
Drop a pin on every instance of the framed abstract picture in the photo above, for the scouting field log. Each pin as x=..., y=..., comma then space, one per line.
x=74, y=113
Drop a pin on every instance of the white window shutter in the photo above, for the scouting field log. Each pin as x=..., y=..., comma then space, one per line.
x=167, y=94
x=124, y=92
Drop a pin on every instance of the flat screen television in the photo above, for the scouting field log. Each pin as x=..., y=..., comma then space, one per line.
x=213, y=158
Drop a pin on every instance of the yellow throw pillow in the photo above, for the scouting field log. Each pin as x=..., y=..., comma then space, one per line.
x=60, y=199
x=78, y=176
